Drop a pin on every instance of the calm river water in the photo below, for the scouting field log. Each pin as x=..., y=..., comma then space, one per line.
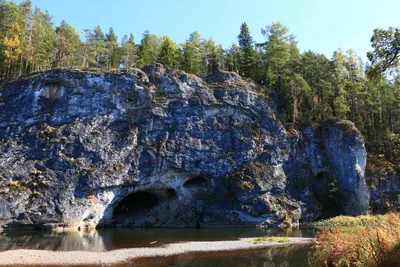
x=110, y=239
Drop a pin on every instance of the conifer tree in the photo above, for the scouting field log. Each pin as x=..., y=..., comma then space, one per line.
x=68, y=44
x=95, y=49
x=112, y=56
x=168, y=55
x=129, y=52
x=247, y=55
x=44, y=39
x=149, y=48
x=244, y=38
x=211, y=56
x=232, y=56
x=192, y=54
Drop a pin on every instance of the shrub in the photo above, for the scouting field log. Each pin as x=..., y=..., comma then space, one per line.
x=358, y=241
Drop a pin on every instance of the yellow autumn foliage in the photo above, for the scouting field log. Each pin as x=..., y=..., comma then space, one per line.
x=13, y=43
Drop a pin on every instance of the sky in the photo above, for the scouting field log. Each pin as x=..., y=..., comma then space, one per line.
x=322, y=26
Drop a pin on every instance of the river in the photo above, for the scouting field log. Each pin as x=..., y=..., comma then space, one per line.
x=111, y=239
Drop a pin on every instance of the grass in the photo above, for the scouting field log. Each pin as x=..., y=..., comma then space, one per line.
x=263, y=239
x=347, y=221
x=357, y=241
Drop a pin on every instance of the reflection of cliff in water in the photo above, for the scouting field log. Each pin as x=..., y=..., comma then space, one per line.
x=57, y=241
x=283, y=256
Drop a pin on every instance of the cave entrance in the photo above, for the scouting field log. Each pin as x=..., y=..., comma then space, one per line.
x=171, y=193
x=134, y=207
x=326, y=191
x=196, y=182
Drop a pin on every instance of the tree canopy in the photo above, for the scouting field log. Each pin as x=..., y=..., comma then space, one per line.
x=309, y=86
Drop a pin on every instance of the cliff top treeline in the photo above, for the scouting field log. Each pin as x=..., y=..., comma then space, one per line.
x=310, y=86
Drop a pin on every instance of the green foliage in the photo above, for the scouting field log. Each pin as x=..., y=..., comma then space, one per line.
x=149, y=48
x=275, y=239
x=277, y=53
x=129, y=52
x=169, y=53
x=244, y=38
x=113, y=52
x=211, y=56
x=386, y=54
x=95, y=48
x=192, y=54
x=317, y=71
x=43, y=38
x=232, y=58
x=68, y=44
x=310, y=86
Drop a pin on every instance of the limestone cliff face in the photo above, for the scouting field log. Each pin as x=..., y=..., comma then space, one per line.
x=158, y=147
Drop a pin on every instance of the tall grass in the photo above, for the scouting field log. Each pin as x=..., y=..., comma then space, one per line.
x=360, y=241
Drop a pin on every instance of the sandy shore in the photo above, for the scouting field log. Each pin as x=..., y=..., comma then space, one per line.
x=43, y=257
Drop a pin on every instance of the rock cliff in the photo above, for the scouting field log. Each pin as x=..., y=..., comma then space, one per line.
x=383, y=180
x=163, y=148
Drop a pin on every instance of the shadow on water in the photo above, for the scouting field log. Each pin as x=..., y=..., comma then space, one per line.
x=110, y=239
x=283, y=256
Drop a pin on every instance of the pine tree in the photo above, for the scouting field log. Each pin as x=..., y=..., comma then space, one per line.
x=95, y=49
x=129, y=52
x=247, y=54
x=299, y=91
x=349, y=85
x=168, y=55
x=340, y=73
x=149, y=48
x=192, y=54
x=318, y=71
x=355, y=85
x=67, y=45
x=211, y=56
x=278, y=53
x=43, y=40
x=232, y=56
x=244, y=38
x=112, y=57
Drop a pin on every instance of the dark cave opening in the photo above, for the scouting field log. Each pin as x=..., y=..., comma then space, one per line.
x=134, y=206
x=197, y=181
x=171, y=193
x=327, y=193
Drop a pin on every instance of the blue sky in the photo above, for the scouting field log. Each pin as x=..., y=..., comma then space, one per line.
x=319, y=25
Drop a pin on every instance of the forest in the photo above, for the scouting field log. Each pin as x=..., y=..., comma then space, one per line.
x=310, y=86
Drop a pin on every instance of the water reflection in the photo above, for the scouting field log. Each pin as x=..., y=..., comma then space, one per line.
x=109, y=239
x=57, y=241
x=287, y=256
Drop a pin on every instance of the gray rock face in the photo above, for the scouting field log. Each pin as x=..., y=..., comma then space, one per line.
x=164, y=148
x=383, y=180
x=333, y=157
